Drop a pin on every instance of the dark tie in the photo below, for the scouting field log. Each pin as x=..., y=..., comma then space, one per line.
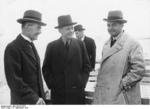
x=113, y=41
x=67, y=45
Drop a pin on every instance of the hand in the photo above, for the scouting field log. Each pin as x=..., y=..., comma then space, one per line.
x=93, y=70
x=124, y=87
x=127, y=88
x=48, y=94
x=40, y=101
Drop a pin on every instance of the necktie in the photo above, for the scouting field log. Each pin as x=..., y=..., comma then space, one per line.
x=34, y=50
x=67, y=45
x=112, y=41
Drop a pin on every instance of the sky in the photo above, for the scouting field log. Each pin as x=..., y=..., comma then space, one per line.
x=89, y=13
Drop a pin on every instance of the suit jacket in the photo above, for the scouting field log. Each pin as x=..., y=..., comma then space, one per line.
x=91, y=50
x=64, y=70
x=23, y=72
x=122, y=63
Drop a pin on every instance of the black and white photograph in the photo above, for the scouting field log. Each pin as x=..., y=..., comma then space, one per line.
x=74, y=52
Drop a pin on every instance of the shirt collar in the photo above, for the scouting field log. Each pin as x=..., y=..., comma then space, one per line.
x=64, y=40
x=26, y=38
x=83, y=38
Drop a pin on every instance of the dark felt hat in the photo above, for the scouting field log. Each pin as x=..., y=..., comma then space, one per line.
x=64, y=20
x=79, y=28
x=115, y=16
x=32, y=16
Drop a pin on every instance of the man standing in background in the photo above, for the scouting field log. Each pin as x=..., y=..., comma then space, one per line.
x=122, y=66
x=22, y=63
x=65, y=65
x=89, y=44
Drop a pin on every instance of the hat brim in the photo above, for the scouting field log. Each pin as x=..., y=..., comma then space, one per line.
x=30, y=20
x=73, y=23
x=116, y=20
x=80, y=29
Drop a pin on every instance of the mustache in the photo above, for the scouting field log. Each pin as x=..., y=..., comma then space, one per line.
x=111, y=30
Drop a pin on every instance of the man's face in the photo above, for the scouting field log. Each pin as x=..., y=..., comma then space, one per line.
x=114, y=28
x=79, y=34
x=67, y=31
x=34, y=30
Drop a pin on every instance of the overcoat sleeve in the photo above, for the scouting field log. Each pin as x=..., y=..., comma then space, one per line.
x=86, y=63
x=136, y=67
x=46, y=69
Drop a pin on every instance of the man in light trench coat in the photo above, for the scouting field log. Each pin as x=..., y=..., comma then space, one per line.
x=122, y=66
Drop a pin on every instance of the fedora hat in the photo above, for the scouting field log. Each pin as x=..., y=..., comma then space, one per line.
x=115, y=16
x=79, y=28
x=64, y=20
x=32, y=16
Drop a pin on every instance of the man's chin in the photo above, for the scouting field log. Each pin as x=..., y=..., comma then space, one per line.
x=113, y=34
x=35, y=38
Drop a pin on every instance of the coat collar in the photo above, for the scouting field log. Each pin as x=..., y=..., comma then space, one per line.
x=71, y=50
x=109, y=51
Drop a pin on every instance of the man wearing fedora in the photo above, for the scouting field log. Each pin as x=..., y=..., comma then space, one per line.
x=22, y=63
x=122, y=66
x=65, y=65
x=89, y=43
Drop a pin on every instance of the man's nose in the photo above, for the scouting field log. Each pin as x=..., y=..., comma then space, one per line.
x=39, y=32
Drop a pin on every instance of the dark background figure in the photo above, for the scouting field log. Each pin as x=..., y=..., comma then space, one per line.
x=65, y=65
x=89, y=43
x=22, y=63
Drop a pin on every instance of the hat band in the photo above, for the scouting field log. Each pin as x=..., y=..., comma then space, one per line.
x=62, y=25
x=31, y=17
x=114, y=18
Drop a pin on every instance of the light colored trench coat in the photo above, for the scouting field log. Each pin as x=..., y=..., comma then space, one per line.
x=123, y=62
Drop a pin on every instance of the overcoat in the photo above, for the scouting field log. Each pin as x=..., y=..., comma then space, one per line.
x=65, y=71
x=23, y=72
x=121, y=63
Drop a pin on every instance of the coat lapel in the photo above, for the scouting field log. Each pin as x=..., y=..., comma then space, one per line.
x=26, y=47
x=72, y=49
x=109, y=51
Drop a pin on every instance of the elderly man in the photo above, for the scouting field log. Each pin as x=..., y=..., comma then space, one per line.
x=122, y=66
x=66, y=65
x=22, y=63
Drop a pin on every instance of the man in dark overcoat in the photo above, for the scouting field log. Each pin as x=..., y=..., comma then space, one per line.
x=66, y=65
x=89, y=43
x=22, y=63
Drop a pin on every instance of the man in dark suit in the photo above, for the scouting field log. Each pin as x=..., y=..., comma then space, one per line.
x=89, y=43
x=65, y=65
x=22, y=63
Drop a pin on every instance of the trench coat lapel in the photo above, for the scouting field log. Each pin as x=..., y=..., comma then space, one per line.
x=109, y=51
